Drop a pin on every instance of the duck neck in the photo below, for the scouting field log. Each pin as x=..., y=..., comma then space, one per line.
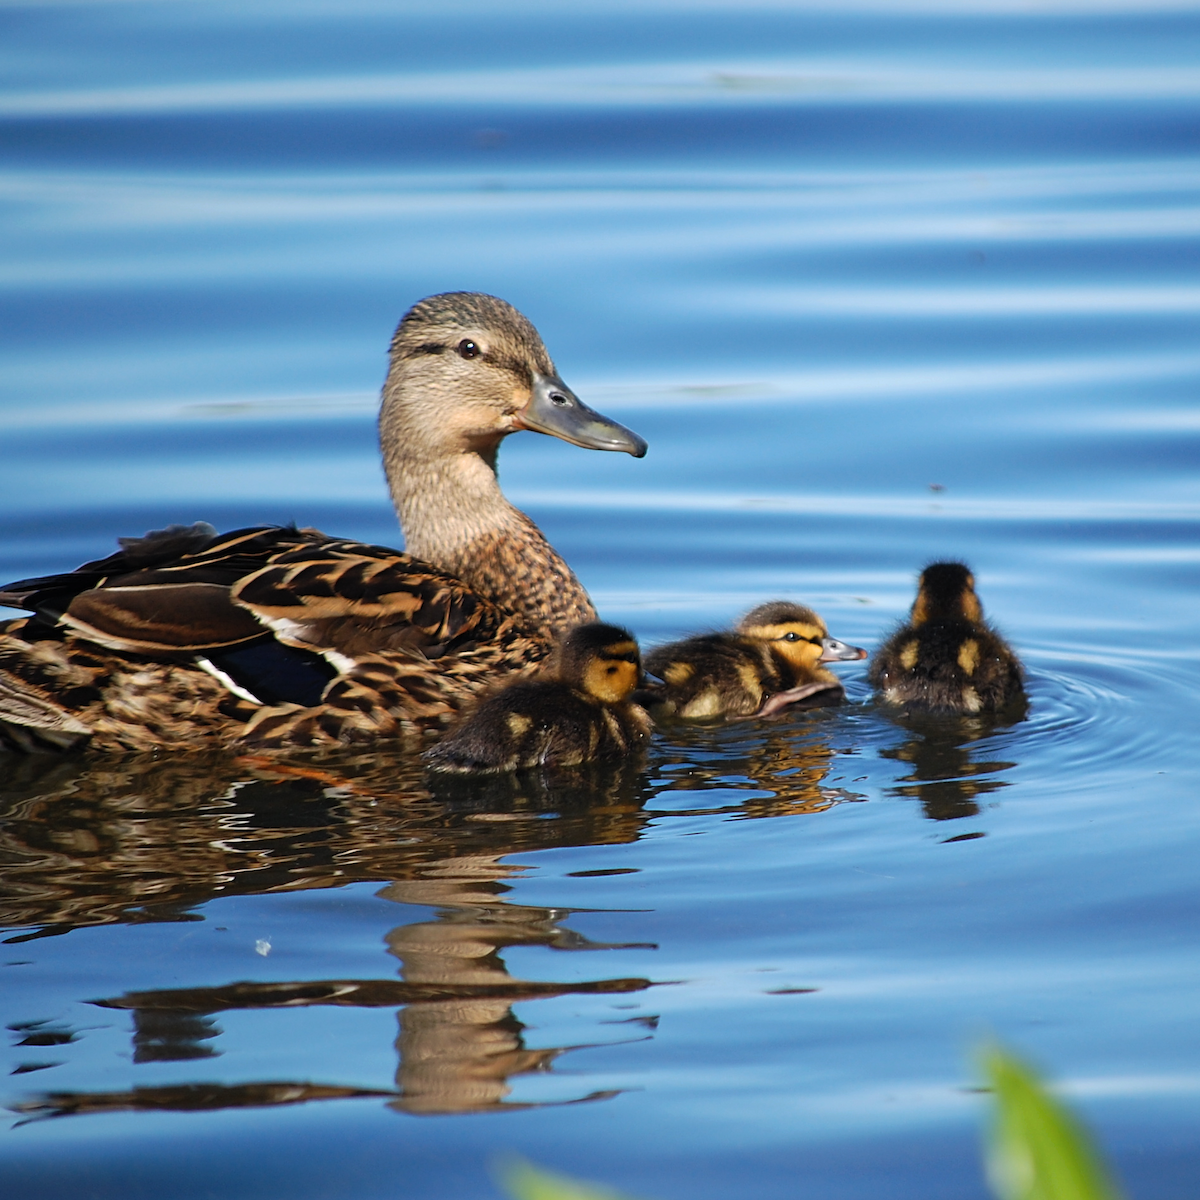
x=455, y=517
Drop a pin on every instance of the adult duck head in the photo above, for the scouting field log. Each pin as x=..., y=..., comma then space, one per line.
x=466, y=371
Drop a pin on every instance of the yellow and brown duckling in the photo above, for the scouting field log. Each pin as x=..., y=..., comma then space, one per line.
x=773, y=659
x=279, y=637
x=582, y=712
x=946, y=657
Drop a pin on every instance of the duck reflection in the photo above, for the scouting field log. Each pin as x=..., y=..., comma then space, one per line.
x=946, y=775
x=460, y=1042
x=88, y=842
x=457, y=1055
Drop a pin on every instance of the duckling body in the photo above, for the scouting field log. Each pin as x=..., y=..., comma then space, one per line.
x=946, y=657
x=286, y=637
x=582, y=713
x=772, y=660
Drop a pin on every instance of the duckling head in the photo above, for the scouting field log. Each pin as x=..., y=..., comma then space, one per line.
x=946, y=593
x=602, y=660
x=797, y=633
x=468, y=369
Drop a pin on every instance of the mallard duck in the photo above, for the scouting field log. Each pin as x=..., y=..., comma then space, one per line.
x=946, y=657
x=581, y=712
x=771, y=660
x=286, y=637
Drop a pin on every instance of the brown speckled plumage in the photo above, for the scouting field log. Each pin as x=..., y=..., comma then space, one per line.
x=273, y=637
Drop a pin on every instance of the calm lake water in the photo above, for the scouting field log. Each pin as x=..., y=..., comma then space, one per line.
x=879, y=286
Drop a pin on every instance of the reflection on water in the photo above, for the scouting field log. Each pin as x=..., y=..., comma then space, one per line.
x=787, y=760
x=459, y=1040
x=143, y=842
x=87, y=841
x=457, y=1054
x=90, y=842
x=947, y=774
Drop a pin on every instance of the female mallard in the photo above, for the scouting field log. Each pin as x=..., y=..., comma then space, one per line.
x=286, y=637
x=772, y=660
x=945, y=657
x=581, y=712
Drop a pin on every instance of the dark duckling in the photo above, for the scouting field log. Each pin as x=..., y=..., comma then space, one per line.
x=582, y=712
x=772, y=660
x=946, y=657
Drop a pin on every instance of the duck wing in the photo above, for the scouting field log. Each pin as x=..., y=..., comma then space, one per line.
x=165, y=593
x=348, y=600
x=283, y=619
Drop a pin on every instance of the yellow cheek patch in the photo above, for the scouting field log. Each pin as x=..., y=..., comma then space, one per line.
x=518, y=725
x=678, y=673
x=968, y=656
x=908, y=655
x=920, y=610
x=610, y=680
x=971, y=607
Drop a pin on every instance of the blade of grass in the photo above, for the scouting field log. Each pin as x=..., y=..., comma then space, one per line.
x=524, y=1181
x=1037, y=1150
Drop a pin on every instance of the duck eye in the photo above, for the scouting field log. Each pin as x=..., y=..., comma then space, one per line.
x=468, y=349
x=791, y=637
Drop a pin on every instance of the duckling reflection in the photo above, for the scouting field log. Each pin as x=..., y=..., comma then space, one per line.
x=945, y=777
x=792, y=762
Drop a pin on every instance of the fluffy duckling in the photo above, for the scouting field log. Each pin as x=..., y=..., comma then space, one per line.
x=581, y=713
x=771, y=660
x=946, y=658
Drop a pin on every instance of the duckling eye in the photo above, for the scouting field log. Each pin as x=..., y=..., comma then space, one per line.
x=468, y=349
x=790, y=637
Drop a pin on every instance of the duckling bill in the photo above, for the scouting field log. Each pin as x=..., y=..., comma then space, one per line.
x=946, y=658
x=582, y=713
x=773, y=659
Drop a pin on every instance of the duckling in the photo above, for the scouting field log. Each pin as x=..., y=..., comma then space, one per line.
x=769, y=661
x=946, y=657
x=276, y=637
x=582, y=712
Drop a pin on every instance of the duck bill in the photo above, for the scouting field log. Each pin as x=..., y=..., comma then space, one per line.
x=554, y=409
x=834, y=651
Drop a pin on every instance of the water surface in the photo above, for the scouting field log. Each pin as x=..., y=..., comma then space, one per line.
x=879, y=286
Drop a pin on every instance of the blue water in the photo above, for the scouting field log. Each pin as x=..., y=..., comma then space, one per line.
x=879, y=285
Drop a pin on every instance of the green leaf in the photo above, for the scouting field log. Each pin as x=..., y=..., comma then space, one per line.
x=523, y=1181
x=1037, y=1150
